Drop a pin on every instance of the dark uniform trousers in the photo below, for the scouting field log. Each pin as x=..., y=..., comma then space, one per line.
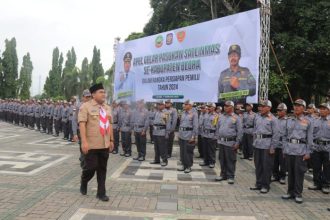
x=247, y=143
x=49, y=125
x=31, y=121
x=200, y=144
x=65, y=126
x=209, y=146
x=160, y=148
x=141, y=144
x=26, y=121
x=279, y=169
x=227, y=158
x=96, y=161
x=43, y=123
x=296, y=172
x=321, y=168
x=21, y=119
x=169, y=143
x=38, y=123
x=116, y=139
x=186, y=153
x=70, y=130
x=151, y=132
x=57, y=126
x=126, y=141
x=263, y=162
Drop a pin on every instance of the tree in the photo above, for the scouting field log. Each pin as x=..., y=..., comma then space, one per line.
x=85, y=76
x=70, y=75
x=25, y=79
x=10, y=70
x=53, y=86
x=96, y=65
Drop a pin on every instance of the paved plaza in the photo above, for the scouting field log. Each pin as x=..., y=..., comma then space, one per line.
x=40, y=179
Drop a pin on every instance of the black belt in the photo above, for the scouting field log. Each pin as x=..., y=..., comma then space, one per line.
x=209, y=131
x=140, y=126
x=297, y=141
x=227, y=139
x=319, y=142
x=185, y=129
x=261, y=136
x=158, y=126
x=248, y=126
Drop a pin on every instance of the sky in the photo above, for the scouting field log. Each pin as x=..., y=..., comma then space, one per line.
x=41, y=25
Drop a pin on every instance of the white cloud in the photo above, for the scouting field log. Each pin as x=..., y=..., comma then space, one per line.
x=39, y=26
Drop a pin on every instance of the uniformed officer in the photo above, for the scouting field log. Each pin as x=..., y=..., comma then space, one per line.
x=43, y=116
x=140, y=120
x=236, y=79
x=188, y=132
x=200, y=142
x=72, y=109
x=279, y=169
x=49, y=116
x=299, y=140
x=57, y=118
x=229, y=133
x=125, y=125
x=152, y=113
x=21, y=113
x=210, y=121
x=311, y=114
x=174, y=119
x=266, y=137
x=65, y=120
x=247, y=141
x=115, y=118
x=162, y=128
x=320, y=156
x=125, y=83
x=97, y=140
x=86, y=96
x=37, y=112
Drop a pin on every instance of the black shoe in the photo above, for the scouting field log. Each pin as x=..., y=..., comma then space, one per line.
x=169, y=156
x=103, y=198
x=83, y=188
x=164, y=163
x=250, y=158
x=187, y=170
x=212, y=165
x=264, y=190
x=220, y=178
x=127, y=155
x=181, y=168
x=122, y=154
x=275, y=179
x=244, y=158
x=328, y=209
x=135, y=158
x=141, y=159
x=154, y=162
x=255, y=188
x=314, y=187
x=287, y=196
x=282, y=181
x=202, y=164
x=298, y=199
x=114, y=152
